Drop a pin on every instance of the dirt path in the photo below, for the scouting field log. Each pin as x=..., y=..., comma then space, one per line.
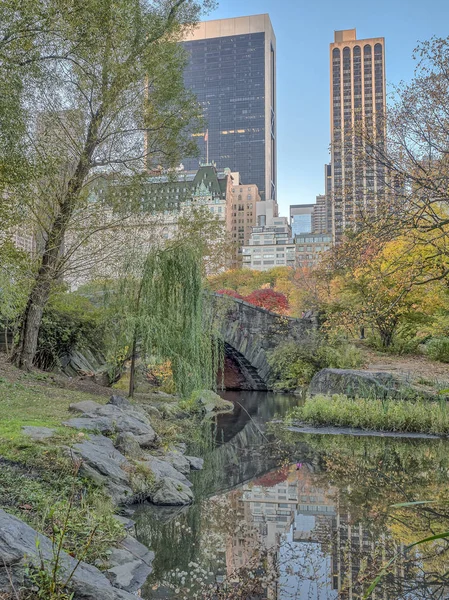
x=417, y=367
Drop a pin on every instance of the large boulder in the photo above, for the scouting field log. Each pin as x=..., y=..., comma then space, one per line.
x=119, y=415
x=105, y=465
x=171, y=492
x=162, y=469
x=364, y=384
x=129, y=565
x=210, y=402
x=21, y=546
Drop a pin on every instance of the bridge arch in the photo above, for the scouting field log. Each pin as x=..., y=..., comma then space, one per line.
x=250, y=333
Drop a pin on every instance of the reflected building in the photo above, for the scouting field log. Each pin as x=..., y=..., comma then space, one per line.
x=232, y=71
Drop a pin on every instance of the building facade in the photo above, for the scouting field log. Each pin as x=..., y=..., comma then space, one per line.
x=310, y=248
x=232, y=72
x=301, y=216
x=241, y=216
x=357, y=99
x=271, y=243
x=320, y=220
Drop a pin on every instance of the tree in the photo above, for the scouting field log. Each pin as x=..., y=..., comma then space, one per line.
x=379, y=284
x=110, y=73
x=269, y=299
x=159, y=310
x=414, y=155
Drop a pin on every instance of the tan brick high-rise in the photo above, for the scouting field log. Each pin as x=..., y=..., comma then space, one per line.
x=357, y=102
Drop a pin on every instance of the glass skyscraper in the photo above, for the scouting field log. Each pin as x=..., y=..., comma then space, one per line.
x=232, y=71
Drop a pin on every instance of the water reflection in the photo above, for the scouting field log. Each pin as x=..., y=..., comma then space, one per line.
x=304, y=517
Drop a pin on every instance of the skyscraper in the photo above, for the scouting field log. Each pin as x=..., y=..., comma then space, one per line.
x=232, y=71
x=357, y=104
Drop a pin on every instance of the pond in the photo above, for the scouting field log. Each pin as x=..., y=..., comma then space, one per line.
x=288, y=516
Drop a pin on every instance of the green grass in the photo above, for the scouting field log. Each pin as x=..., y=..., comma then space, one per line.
x=38, y=482
x=421, y=416
x=36, y=404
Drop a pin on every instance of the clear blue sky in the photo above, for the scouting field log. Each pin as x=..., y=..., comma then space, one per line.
x=303, y=31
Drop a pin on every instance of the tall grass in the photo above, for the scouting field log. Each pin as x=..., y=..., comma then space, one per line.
x=419, y=416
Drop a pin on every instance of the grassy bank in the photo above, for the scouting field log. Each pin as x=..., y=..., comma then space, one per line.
x=422, y=416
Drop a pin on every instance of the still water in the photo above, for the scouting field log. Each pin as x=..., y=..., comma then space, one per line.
x=302, y=517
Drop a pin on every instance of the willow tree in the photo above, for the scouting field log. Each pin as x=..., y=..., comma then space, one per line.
x=108, y=97
x=160, y=310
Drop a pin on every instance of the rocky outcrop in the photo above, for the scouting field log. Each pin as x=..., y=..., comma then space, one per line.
x=364, y=384
x=128, y=472
x=18, y=550
x=112, y=418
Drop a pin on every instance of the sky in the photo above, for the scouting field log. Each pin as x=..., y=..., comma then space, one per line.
x=304, y=30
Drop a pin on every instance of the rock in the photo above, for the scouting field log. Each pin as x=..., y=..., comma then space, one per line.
x=104, y=464
x=152, y=411
x=110, y=418
x=161, y=469
x=180, y=447
x=18, y=540
x=210, y=402
x=363, y=384
x=119, y=401
x=127, y=444
x=86, y=406
x=131, y=564
x=101, y=424
x=178, y=461
x=196, y=464
x=38, y=433
x=171, y=492
x=125, y=521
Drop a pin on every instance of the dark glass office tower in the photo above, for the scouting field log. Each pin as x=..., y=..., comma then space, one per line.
x=232, y=71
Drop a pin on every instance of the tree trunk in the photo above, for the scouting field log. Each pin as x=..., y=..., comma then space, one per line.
x=132, y=370
x=48, y=271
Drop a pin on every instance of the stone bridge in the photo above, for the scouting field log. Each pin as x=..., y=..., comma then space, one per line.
x=250, y=332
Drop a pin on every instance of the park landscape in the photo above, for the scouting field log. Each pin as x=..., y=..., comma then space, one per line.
x=157, y=400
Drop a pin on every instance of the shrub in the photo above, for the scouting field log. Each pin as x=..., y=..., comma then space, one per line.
x=294, y=365
x=438, y=349
x=269, y=299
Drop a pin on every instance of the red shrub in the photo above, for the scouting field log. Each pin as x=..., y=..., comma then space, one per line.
x=269, y=299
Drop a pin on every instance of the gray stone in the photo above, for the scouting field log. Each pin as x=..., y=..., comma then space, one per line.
x=109, y=418
x=178, y=461
x=105, y=465
x=171, y=492
x=94, y=423
x=131, y=564
x=211, y=402
x=38, y=433
x=363, y=384
x=18, y=549
x=127, y=444
x=161, y=469
x=86, y=406
x=196, y=464
x=120, y=401
x=125, y=521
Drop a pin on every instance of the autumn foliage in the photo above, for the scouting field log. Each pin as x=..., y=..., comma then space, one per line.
x=269, y=299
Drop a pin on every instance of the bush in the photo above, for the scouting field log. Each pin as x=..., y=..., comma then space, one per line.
x=69, y=321
x=294, y=365
x=438, y=349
